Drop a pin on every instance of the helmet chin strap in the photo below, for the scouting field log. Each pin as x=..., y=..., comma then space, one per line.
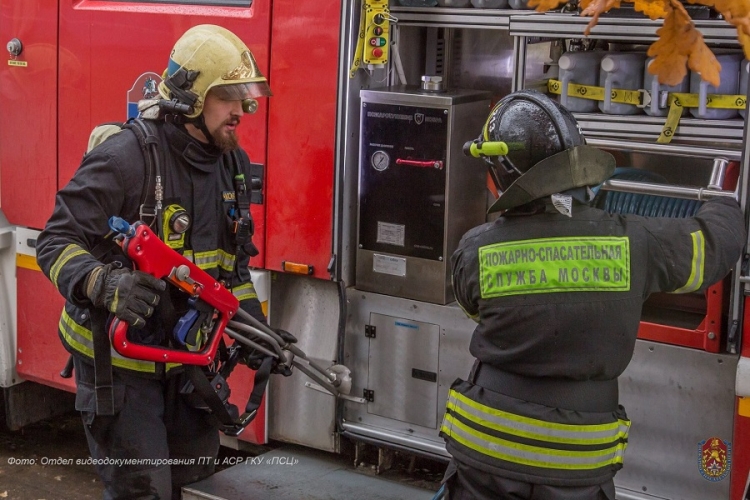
x=199, y=123
x=179, y=85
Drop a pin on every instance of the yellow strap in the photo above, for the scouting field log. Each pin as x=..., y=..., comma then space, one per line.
x=720, y=101
x=620, y=96
x=624, y=96
x=678, y=101
x=673, y=119
x=575, y=90
x=357, y=62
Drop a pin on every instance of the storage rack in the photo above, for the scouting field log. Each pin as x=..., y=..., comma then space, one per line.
x=636, y=133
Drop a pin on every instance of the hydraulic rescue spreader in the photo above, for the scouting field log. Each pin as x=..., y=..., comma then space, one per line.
x=197, y=334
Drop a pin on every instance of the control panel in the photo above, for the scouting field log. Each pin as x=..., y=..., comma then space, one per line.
x=377, y=33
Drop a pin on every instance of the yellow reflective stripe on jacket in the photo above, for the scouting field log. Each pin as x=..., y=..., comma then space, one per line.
x=572, y=447
x=214, y=258
x=245, y=291
x=533, y=456
x=531, y=428
x=475, y=317
x=80, y=338
x=698, y=263
x=226, y=260
x=68, y=253
x=205, y=260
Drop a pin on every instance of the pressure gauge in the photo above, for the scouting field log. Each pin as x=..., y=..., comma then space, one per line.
x=380, y=160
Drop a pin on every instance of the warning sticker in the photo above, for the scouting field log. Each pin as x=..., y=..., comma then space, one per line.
x=392, y=234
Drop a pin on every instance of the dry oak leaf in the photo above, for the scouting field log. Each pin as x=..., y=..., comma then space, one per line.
x=654, y=9
x=680, y=45
x=735, y=12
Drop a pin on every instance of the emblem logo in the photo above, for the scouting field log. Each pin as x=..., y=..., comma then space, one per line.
x=714, y=458
x=419, y=118
x=248, y=68
x=145, y=86
x=149, y=89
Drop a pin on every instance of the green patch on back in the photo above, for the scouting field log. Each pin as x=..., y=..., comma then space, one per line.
x=580, y=264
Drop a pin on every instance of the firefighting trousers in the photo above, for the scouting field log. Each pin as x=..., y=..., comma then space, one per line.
x=154, y=444
x=464, y=482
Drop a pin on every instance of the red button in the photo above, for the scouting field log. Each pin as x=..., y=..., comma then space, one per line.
x=377, y=52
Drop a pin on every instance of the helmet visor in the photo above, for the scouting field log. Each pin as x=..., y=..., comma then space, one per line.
x=242, y=91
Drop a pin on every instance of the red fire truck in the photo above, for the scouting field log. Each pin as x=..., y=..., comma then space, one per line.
x=353, y=262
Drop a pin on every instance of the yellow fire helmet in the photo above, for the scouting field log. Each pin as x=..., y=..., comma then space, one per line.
x=209, y=57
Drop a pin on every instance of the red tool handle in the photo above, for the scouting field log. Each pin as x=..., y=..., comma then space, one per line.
x=118, y=334
x=151, y=255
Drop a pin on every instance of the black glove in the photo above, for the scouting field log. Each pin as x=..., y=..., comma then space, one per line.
x=253, y=358
x=130, y=295
x=281, y=370
x=289, y=339
x=285, y=336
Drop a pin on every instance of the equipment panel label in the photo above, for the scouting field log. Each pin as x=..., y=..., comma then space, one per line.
x=388, y=264
x=392, y=234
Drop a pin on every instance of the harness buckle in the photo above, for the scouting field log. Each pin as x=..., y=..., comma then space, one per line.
x=663, y=99
x=645, y=98
x=143, y=211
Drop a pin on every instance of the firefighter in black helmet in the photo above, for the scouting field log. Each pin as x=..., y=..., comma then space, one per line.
x=556, y=288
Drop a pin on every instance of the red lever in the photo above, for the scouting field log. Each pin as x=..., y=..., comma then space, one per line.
x=438, y=164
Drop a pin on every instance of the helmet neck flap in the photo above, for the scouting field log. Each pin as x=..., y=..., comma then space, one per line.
x=577, y=167
x=534, y=148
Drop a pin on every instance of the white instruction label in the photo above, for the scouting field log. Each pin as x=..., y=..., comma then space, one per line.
x=388, y=264
x=392, y=234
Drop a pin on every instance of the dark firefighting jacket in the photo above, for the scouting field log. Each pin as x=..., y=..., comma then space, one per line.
x=558, y=302
x=110, y=181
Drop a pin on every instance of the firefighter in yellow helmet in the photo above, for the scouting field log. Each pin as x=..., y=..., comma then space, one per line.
x=207, y=64
x=139, y=416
